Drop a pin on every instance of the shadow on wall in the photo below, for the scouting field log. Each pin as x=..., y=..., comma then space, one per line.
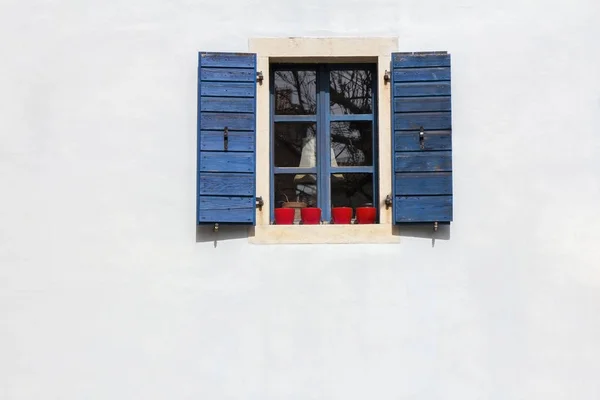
x=423, y=231
x=206, y=233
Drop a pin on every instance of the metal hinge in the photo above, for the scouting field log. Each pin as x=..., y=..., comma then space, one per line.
x=259, y=77
x=259, y=202
x=386, y=76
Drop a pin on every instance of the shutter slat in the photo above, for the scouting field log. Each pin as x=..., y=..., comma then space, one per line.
x=237, y=141
x=417, y=89
x=229, y=104
x=429, y=121
x=228, y=74
x=421, y=100
x=423, y=183
x=423, y=209
x=227, y=89
x=225, y=161
x=213, y=209
x=226, y=184
x=422, y=104
x=226, y=188
x=433, y=140
x=421, y=74
x=433, y=161
x=230, y=60
x=233, y=121
x=420, y=60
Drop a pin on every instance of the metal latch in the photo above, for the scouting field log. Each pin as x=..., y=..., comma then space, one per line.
x=422, y=138
x=225, y=138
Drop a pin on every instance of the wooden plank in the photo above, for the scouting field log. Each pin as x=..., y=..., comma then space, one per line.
x=422, y=104
x=423, y=208
x=415, y=89
x=420, y=60
x=214, y=209
x=212, y=183
x=423, y=183
x=429, y=121
x=239, y=60
x=226, y=162
x=228, y=74
x=233, y=121
x=237, y=141
x=227, y=89
x=434, y=161
x=421, y=74
x=433, y=140
x=227, y=104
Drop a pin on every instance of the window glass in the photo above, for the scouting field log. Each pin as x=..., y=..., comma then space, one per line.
x=295, y=92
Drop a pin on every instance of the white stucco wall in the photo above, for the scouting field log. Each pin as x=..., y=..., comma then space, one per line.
x=105, y=292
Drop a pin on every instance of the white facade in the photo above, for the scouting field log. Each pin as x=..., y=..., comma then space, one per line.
x=107, y=291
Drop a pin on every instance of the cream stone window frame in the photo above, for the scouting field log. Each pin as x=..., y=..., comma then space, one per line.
x=325, y=50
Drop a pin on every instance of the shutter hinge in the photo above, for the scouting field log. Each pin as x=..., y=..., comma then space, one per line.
x=386, y=76
x=388, y=201
x=259, y=202
x=259, y=77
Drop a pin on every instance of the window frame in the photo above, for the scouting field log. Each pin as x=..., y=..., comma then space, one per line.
x=295, y=50
x=323, y=119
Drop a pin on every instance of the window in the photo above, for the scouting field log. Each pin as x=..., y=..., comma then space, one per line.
x=328, y=122
x=323, y=136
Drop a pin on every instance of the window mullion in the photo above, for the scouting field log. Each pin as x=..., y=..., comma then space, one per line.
x=324, y=154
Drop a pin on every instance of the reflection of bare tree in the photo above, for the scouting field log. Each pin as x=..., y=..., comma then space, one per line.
x=351, y=92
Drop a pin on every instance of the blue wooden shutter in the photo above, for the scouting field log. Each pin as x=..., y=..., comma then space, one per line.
x=422, y=126
x=226, y=187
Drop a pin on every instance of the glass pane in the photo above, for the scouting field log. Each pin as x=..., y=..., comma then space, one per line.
x=296, y=191
x=351, y=190
x=351, y=143
x=295, y=92
x=295, y=144
x=351, y=91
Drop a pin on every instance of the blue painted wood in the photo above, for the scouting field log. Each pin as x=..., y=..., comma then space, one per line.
x=226, y=184
x=227, y=89
x=226, y=162
x=351, y=117
x=292, y=170
x=434, y=161
x=229, y=60
x=216, y=209
x=237, y=141
x=420, y=60
x=228, y=74
x=422, y=104
x=423, y=209
x=228, y=104
x=415, y=89
x=294, y=118
x=433, y=140
x=421, y=90
x=421, y=74
x=423, y=183
x=429, y=121
x=233, y=121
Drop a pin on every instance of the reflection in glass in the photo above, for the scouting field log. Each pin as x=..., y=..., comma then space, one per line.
x=295, y=144
x=351, y=190
x=352, y=143
x=296, y=191
x=295, y=92
x=351, y=92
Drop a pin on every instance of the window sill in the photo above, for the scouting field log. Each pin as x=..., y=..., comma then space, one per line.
x=323, y=234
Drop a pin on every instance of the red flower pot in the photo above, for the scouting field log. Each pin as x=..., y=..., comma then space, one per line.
x=284, y=216
x=311, y=215
x=341, y=215
x=366, y=215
